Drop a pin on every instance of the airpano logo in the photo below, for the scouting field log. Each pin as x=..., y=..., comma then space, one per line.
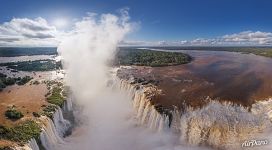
x=253, y=143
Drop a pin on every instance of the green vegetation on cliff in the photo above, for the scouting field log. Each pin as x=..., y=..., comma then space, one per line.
x=56, y=96
x=49, y=110
x=21, y=132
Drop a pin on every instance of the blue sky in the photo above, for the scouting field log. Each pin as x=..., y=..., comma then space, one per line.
x=160, y=20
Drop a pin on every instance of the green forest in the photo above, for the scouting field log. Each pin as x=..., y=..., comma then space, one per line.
x=144, y=57
x=37, y=65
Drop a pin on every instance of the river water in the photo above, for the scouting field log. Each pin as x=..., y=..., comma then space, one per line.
x=228, y=76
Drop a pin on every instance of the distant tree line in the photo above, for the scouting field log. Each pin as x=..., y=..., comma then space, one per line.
x=262, y=51
x=18, y=51
x=143, y=57
x=37, y=65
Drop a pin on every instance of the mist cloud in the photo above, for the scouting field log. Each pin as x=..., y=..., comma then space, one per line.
x=107, y=114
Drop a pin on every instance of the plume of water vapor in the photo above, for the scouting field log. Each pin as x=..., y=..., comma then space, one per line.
x=87, y=50
x=107, y=114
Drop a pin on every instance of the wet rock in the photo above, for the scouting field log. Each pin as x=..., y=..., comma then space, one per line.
x=137, y=87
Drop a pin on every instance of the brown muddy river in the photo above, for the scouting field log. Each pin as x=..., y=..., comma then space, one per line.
x=225, y=76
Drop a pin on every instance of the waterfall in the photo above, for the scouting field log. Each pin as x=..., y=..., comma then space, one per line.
x=145, y=112
x=68, y=106
x=61, y=124
x=49, y=136
x=53, y=131
x=263, y=107
x=219, y=125
x=31, y=145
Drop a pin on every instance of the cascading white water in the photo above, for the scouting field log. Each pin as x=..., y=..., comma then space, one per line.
x=61, y=124
x=68, y=105
x=31, y=145
x=49, y=136
x=220, y=125
x=145, y=112
x=53, y=131
x=263, y=107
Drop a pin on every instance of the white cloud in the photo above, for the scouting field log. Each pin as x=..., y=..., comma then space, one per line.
x=249, y=37
x=37, y=28
x=28, y=32
x=9, y=38
x=38, y=32
x=246, y=38
x=138, y=43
